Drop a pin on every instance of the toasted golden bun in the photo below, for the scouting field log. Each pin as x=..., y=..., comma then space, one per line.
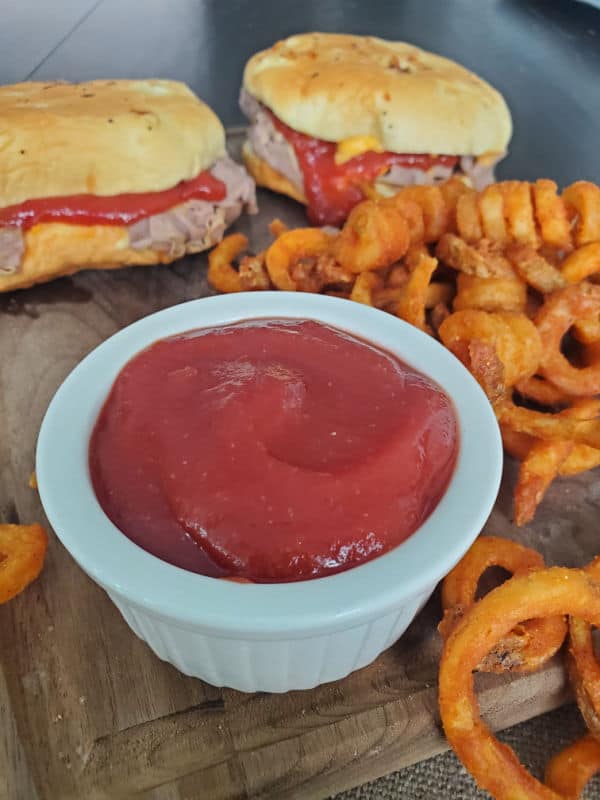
x=265, y=175
x=334, y=86
x=54, y=249
x=103, y=138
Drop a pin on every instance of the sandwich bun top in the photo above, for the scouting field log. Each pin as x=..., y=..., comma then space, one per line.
x=335, y=86
x=103, y=137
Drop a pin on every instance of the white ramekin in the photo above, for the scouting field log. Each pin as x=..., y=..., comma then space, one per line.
x=265, y=637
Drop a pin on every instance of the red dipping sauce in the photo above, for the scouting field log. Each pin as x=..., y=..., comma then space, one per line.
x=119, y=209
x=271, y=450
x=332, y=190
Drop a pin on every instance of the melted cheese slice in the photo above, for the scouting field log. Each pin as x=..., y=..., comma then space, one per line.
x=356, y=146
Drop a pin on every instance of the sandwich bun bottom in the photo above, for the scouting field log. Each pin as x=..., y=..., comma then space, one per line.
x=264, y=175
x=54, y=249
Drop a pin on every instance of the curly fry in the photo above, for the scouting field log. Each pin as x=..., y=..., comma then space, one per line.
x=277, y=227
x=364, y=286
x=583, y=665
x=490, y=294
x=488, y=370
x=582, y=263
x=468, y=222
x=411, y=303
x=431, y=202
x=253, y=273
x=438, y=314
x=530, y=644
x=587, y=331
x=514, y=337
x=518, y=210
x=569, y=771
x=438, y=293
x=548, y=592
x=543, y=462
x=583, y=198
x=539, y=390
x=478, y=261
x=374, y=236
x=516, y=443
x=22, y=553
x=581, y=459
x=290, y=248
x=452, y=190
x=491, y=212
x=550, y=426
x=222, y=276
x=551, y=215
x=558, y=313
x=535, y=269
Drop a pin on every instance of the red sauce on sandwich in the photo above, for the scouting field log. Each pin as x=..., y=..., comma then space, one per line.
x=332, y=190
x=120, y=209
x=271, y=450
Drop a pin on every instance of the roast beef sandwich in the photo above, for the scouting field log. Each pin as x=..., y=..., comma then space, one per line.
x=110, y=173
x=331, y=113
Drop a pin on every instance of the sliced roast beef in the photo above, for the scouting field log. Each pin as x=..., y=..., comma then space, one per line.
x=270, y=145
x=197, y=224
x=12, y=247
x=187, y=228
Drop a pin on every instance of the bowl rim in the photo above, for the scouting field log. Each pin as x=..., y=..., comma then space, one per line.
x=345, y=599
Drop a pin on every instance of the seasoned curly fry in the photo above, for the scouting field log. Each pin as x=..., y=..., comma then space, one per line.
x=581, y=459
x=551, y=215
x=433, y=208
x=569, y=771
x=451, y=191
x=468, y=222
x=374, y=236
x=491, y=211
x=438, y=293
x=531, y=643
x=539, y=390
x=438, y=314
x=253, y=273
x=587, y=331
x=484, y=364
x=490, y=294
x=365, y=284
x=559, y=312
x=543, y=462
x=289, y=249
x=277, y=227
x=514, y=337
x=582, y=263
x=550, y=426
x=482, y=263
x=22, y=553
x=583, y=665
x=518, y=210
x=411, y=303
x=535, y=269
x=222, y=276
x=583, y=198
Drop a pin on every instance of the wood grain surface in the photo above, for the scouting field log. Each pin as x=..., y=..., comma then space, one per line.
x=88, y=711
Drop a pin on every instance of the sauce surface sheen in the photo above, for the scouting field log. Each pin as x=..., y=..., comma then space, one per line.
x=271, y=450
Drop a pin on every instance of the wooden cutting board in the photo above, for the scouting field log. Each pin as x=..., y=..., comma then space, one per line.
x=87, y=710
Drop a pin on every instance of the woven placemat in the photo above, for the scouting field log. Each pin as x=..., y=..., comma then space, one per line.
x=444, y=776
